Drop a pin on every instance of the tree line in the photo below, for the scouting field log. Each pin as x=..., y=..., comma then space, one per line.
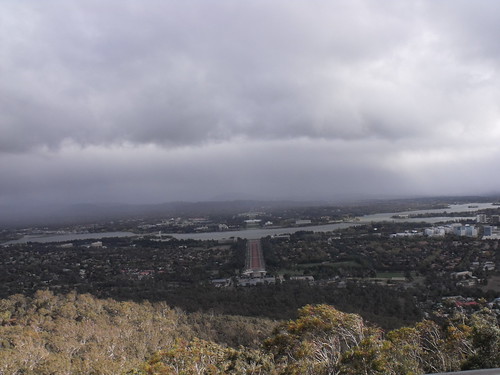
x=80, y=334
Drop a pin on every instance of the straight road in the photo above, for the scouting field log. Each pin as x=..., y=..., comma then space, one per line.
x=255, y=259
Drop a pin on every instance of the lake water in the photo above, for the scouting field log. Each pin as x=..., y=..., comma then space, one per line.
x=252, y=234
x=451, y=209
x=68, y=237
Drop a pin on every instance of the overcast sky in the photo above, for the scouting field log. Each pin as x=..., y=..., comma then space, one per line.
x=148, y=101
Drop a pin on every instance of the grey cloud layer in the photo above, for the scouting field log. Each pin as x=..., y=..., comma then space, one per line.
x=177, y=73
x=297, y=169
x=277, y=170
x=161, y=100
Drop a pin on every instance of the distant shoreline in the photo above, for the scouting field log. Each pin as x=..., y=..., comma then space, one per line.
x=48, y=238
x=264, y=232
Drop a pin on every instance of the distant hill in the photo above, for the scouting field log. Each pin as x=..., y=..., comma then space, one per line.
x=13, y=216
x=51, y=214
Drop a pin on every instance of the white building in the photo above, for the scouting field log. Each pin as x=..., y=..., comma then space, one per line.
x=435, y=232
x=465, y=230
x=303, y=222
x=482, y=218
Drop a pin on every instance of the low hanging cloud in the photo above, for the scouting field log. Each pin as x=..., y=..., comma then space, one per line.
x=230, y=93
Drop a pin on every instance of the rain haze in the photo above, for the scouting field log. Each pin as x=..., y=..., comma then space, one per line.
x=156, y=101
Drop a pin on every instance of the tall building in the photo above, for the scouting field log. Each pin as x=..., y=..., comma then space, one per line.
x=481, y=218
x=470, y=231
x=465, y=230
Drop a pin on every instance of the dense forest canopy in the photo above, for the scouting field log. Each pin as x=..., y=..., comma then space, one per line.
x=80, y=334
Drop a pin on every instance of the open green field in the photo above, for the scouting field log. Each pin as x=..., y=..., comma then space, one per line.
x=346, y=264
x=300, y=269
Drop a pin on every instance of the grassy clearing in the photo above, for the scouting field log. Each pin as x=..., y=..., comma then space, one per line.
x=290, y=272
x=346, y=264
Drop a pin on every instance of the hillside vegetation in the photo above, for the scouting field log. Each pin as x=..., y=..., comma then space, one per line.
x=79, y=334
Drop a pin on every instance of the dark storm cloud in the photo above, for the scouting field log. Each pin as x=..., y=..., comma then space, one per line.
x=160, y=100
x=173, y=73
x=277, y=170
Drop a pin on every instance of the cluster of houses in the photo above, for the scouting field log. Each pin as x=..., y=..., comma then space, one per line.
x=465, y=278
x=451, y=304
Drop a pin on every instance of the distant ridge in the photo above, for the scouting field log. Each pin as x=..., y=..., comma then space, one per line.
x=50, y=214
x=11, y=216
